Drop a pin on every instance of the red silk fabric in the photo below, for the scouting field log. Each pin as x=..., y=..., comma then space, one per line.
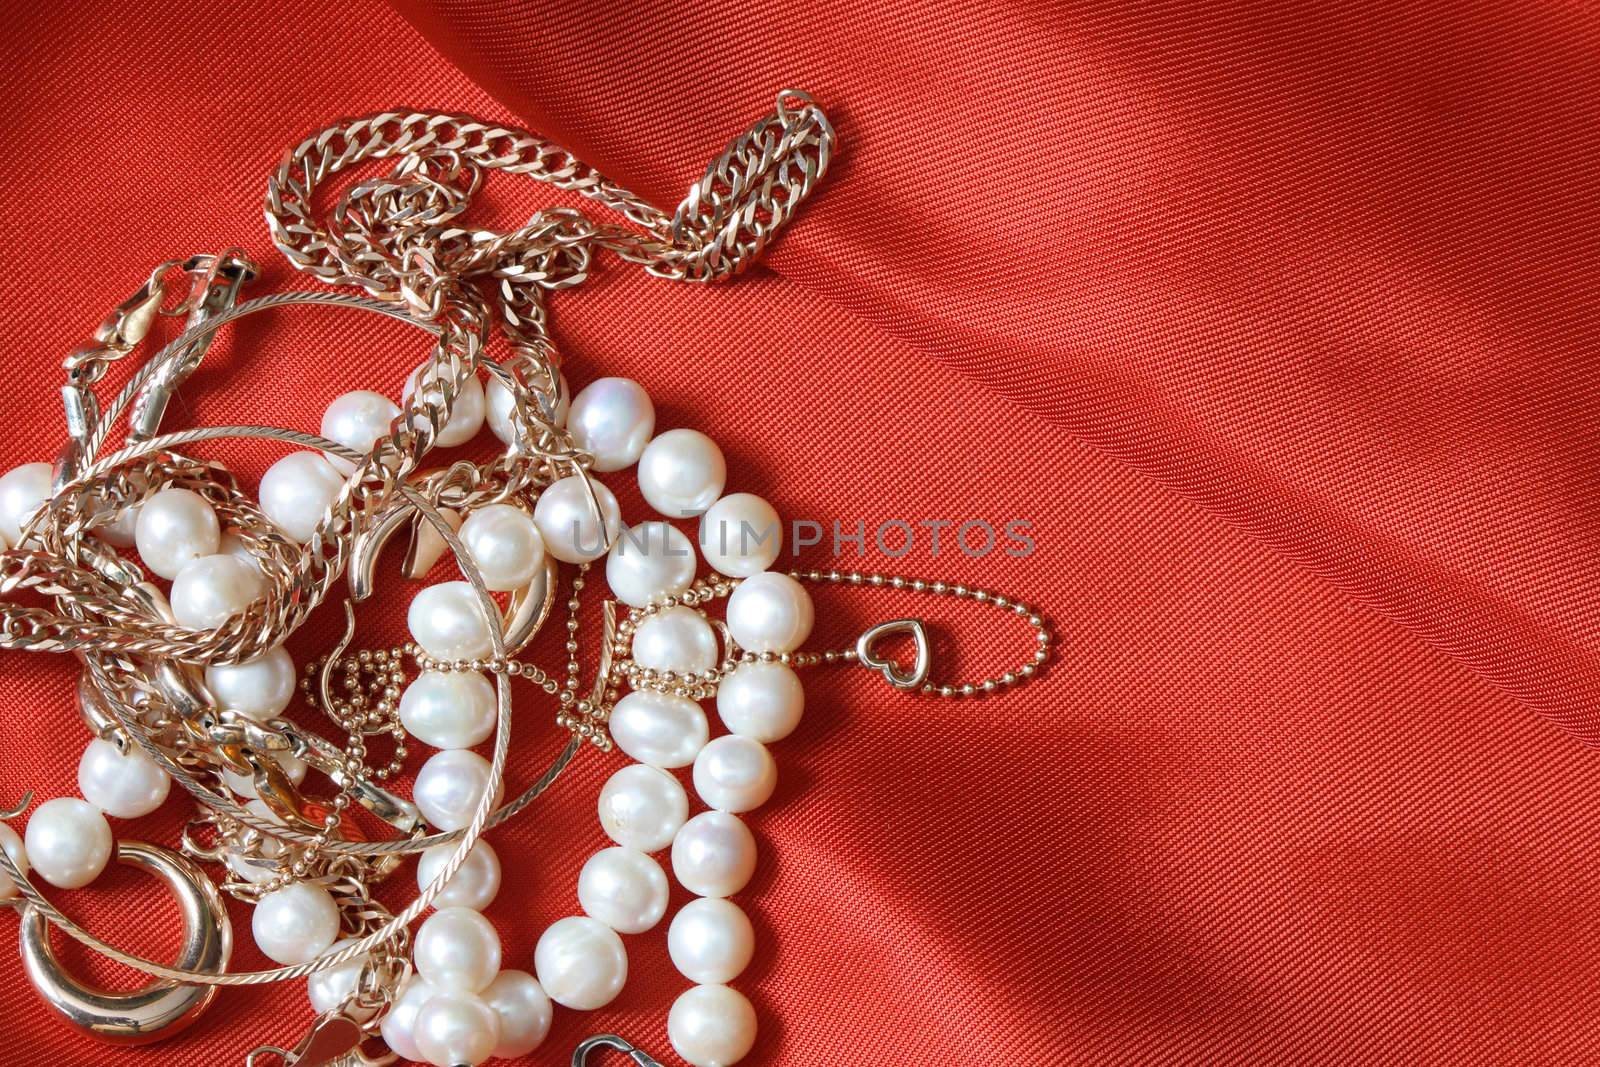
x=1276, y=321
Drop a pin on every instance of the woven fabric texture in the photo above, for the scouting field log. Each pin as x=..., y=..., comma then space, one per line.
x=1276, y=321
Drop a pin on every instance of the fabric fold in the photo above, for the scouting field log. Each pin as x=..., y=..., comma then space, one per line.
x=1327, y=272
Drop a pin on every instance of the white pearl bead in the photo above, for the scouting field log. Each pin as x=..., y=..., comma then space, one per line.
x=466, y=417
x=120, y=531
x=651, y=561
x=581, y=963
x=735, y=774
x=660, y=729
x=447, y=620
x=260, y=688
x=761, y=701
x=677, y=639
x=770, y=612
x=124, y=786
x=295, y=924
x=296, y=492
x=329, y=989
x=711, y=941
x=22, y=490
x=213, y=589
x=624, y=889
x=682, y=473
x=741, y=535
x=642, y=808
x=567, y=523
x=174, y=527
x=505, y=544
x=524, y=1010
x=474, y=885
x=357, y=420
x=612, y=419
x=711, y=1026
x=19, y=855
x=457, y=948
x=456, y=1030
x=68, y=842
x=450, y=786
x=499, y=398
x=245, y=784
x=714, y=855
x=398, y=1026
x=449, y=709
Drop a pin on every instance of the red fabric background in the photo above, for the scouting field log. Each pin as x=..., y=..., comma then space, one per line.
x=1277, y=320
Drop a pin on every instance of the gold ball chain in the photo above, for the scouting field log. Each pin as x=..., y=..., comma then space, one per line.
x=701, y=685
x=373, y=703
x=959, y=591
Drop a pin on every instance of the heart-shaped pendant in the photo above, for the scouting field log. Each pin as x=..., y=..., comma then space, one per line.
x=898, y=676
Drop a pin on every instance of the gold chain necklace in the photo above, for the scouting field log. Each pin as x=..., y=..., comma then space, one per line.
x=187, y=682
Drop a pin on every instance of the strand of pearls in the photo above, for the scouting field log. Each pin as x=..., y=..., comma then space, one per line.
x=215, y=576
x=68, y=841
x=459, y=1006
x=159, y=685
x=643, y=808
x=454, y=1010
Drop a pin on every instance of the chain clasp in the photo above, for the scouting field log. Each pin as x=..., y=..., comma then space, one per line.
x=580, y=1055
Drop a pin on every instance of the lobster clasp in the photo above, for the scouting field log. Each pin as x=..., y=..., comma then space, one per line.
x=641, y=1058
x=128, y=322
x=214, y=284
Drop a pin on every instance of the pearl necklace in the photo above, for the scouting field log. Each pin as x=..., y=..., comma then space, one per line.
x=189, y=682
x=666, y=651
